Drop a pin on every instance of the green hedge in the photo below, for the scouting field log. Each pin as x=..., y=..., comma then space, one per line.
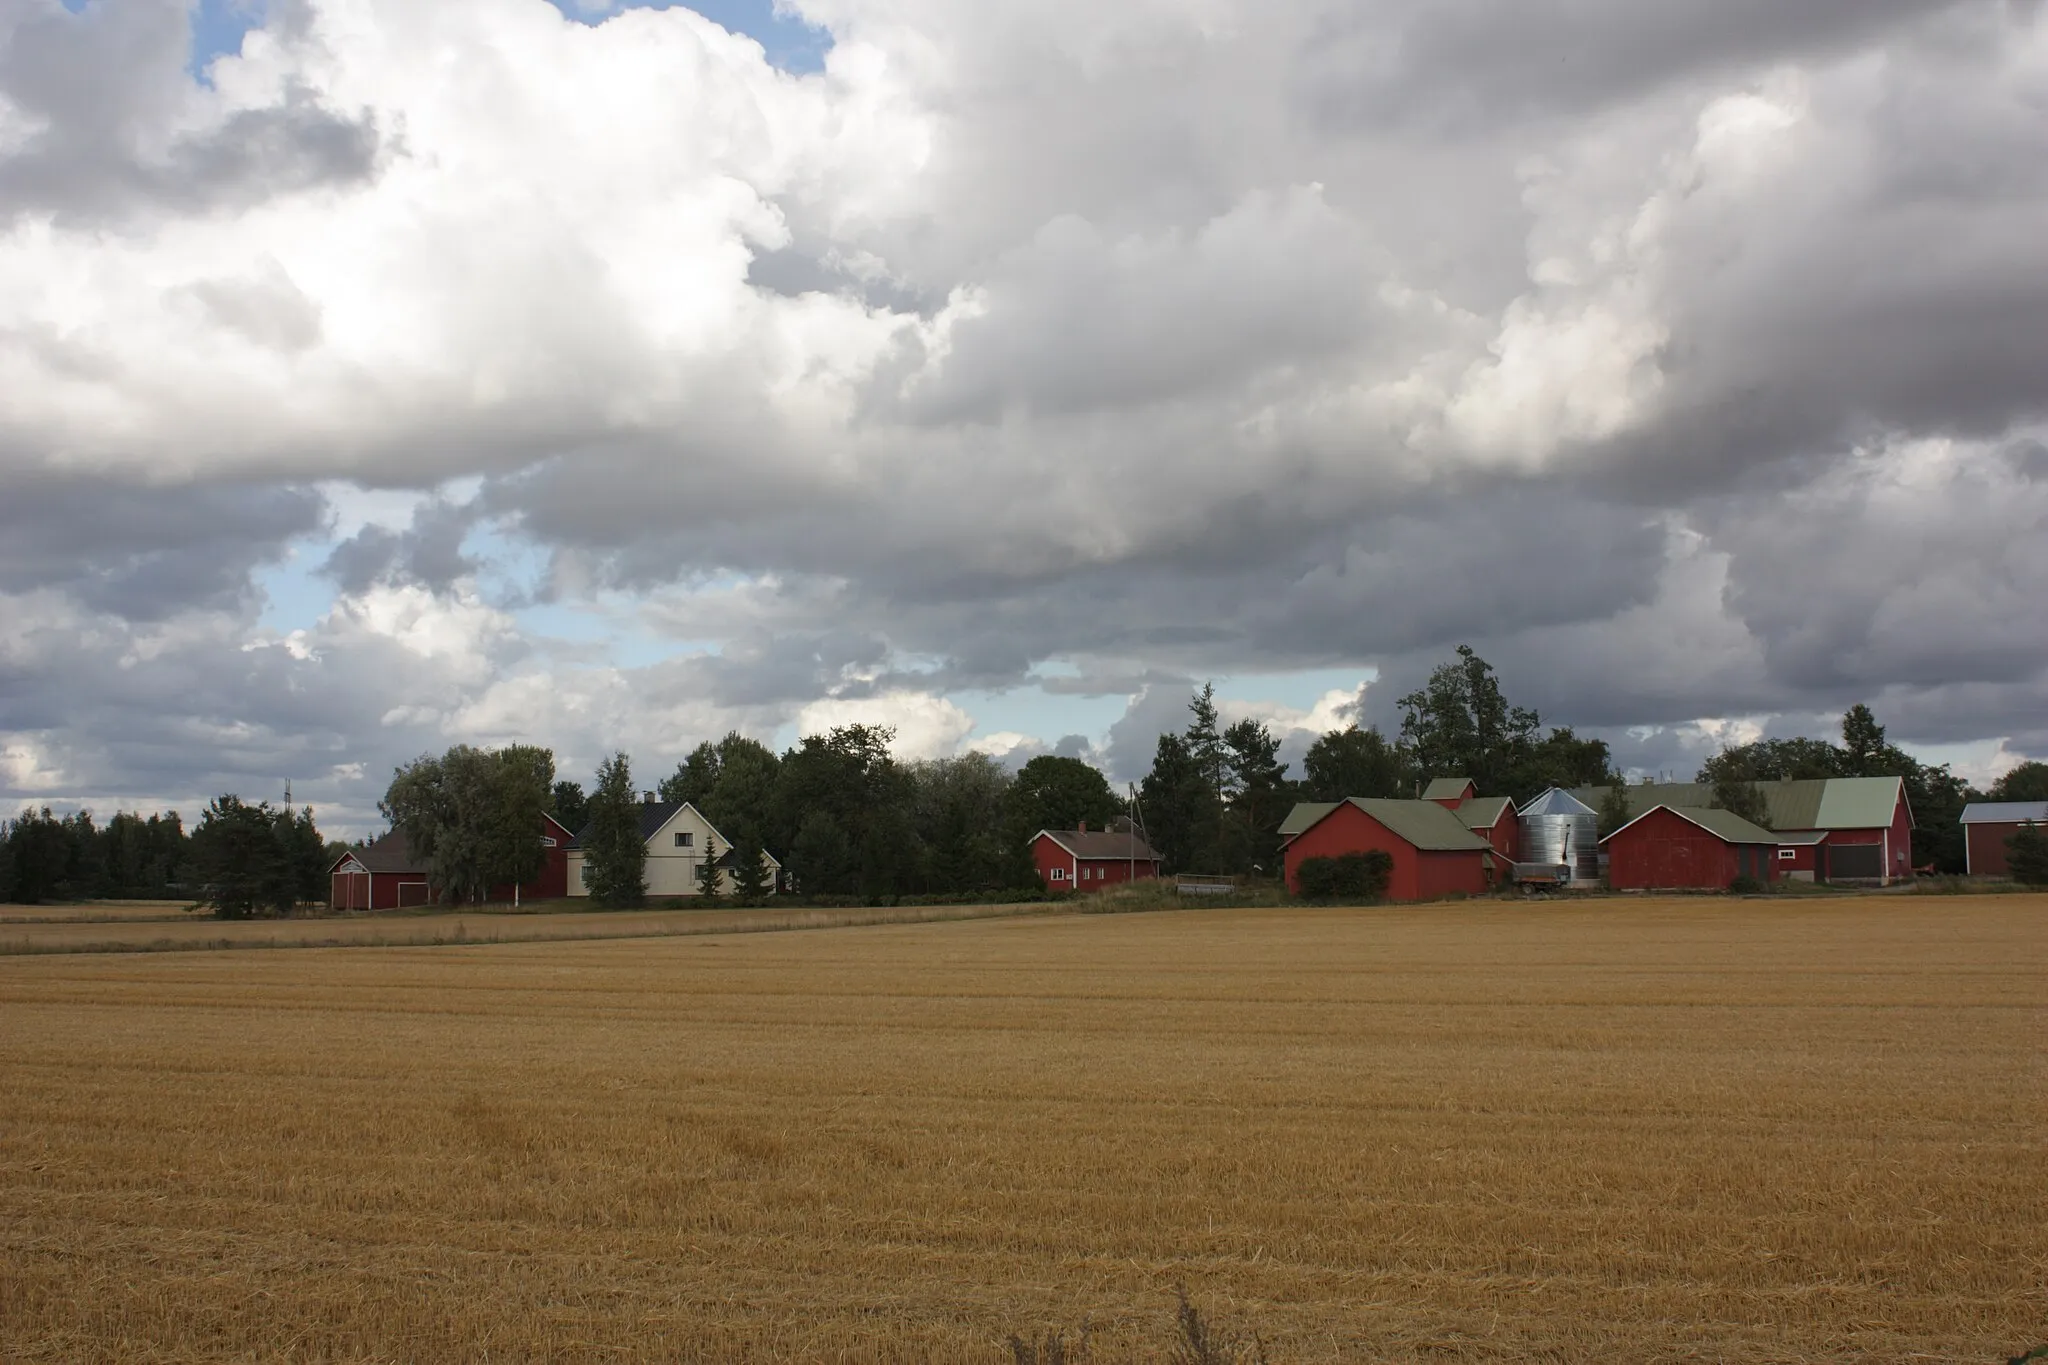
x=1347, y=877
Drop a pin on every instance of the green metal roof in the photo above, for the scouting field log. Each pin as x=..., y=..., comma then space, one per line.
x=1721, y=824
x=1446, y=788
x=1858, y=803
x=1484, y=812
x=1424, y=824
x=1809, y=803
x=1304, y=815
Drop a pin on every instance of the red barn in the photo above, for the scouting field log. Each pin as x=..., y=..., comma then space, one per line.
x=1864, y=824
x=387, y=876
x=1493, y=819
x=1986, y=827
x=1434, y=853
x=384, y=876
x=1091, y=860
x=1675, y=848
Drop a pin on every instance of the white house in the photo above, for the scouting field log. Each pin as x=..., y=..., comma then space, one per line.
x=679, y=838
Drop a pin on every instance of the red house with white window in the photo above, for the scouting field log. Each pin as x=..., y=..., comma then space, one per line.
x=388, y=876
x=1091, y=860
x=1435, y=853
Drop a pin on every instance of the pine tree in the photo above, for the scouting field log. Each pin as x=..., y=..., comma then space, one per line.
x=615, y=856
x=2026, y=855
x=750, y=879
x=709, y=885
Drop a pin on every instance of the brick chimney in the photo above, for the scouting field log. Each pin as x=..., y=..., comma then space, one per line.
x=647, y=798
x=1081, y=827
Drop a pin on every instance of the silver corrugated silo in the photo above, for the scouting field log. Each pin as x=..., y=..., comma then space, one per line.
x=1559, y=829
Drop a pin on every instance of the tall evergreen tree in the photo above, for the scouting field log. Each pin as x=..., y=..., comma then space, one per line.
x=1863, y=744
x=1180, y=807
x=253, y=860
x=1261, y=797
x=710, y=882
x=615, y=856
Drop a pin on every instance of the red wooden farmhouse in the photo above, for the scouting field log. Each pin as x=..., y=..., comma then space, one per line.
x=1091, y=860
x=387, y=876
x=1435, y=853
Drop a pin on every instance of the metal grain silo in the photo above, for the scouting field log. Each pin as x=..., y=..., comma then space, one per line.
x=1559, y=829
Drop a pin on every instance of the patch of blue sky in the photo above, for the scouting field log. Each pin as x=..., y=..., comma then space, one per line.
x=295, y=593
x=218, y=27
x=791, y=44
x=510, y=572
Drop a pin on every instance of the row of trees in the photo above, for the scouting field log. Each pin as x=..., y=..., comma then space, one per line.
x=45, y=857
x=846, y=818
x=241, y=860
x=1216, y=796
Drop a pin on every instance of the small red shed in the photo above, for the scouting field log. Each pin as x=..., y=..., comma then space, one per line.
x=1092, y=859
x=1434, y=853
x=1675, y=848
x=383, y=876
x=1493, y=819
x=1450, y=792
x=1986, y=827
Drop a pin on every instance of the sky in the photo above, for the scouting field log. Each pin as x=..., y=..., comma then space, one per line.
x=382, y=376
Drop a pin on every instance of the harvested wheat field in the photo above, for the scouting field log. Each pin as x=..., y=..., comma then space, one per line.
x=1629, y=1131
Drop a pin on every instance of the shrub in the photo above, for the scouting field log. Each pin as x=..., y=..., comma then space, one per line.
x=1746, y=886
x=1347, y=877
x=2026, y=856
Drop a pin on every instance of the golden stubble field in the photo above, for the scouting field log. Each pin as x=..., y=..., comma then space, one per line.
x=1629, y=1131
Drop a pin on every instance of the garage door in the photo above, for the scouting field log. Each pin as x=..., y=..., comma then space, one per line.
x=1856, y=862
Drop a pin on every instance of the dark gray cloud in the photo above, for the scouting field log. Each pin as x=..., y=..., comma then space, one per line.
x=1469, y=63
x=140, y=553
x=106, y=92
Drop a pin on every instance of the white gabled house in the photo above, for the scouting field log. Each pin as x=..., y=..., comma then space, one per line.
x=678, y=838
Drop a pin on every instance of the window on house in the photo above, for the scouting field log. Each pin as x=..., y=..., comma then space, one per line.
x=1059, y=874
x=583, y=876
x=1786, y=855
x=547, y=841
x=685, y=840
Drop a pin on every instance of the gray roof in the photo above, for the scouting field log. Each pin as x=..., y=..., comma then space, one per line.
x=1446, y=788
x=1723, y=825
x=1098, y=845
x=1304, y=815
x=1484, y=812
x=1558, y=801
x=1424, y=824
x=392, y=853
x=1805, y=803
x=2005, y=812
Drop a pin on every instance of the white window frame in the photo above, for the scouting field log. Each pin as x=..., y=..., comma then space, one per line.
x=1786, y=855
x=685, y=839
x=1059, y=874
